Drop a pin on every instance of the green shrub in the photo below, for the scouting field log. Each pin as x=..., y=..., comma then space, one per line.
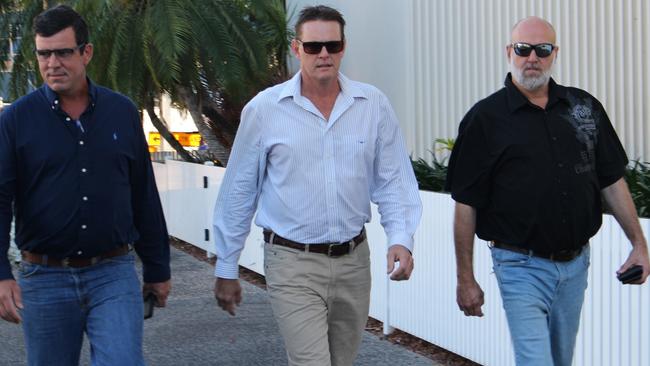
x=637, y=176
x=432, y=177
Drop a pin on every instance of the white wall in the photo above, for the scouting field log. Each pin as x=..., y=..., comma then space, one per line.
x=436, y=58
x=615, y=322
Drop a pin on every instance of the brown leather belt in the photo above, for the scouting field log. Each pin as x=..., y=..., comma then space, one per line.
x=558, y=256
x=329, y=249
x=74, y=262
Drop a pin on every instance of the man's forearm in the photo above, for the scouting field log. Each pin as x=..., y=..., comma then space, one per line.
x=464, y=230
x=618, y=198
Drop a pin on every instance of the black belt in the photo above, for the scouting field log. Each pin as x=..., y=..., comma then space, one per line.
x=558, y=256
x=329, y=249
x=74, y=262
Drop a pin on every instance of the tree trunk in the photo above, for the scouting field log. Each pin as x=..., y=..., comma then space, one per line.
x=194, y=106
x=164, y=132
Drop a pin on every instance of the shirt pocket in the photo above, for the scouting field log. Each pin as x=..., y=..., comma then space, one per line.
x=354, y=156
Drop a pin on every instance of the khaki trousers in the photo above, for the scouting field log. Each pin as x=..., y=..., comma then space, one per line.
x=320, y=303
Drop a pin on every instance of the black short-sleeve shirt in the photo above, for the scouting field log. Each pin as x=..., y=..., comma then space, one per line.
x=535, y=175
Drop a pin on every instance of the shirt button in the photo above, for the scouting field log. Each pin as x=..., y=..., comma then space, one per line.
x=83, y=227
x=80, y=252
x=83, y=170
x=564, y=193
x=67, y=119
x=554, y=138
x=85, y=198
x=81, y=142
x=560, y=165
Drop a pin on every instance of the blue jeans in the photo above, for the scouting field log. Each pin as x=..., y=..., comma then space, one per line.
x=542, y=300
x=61, y=304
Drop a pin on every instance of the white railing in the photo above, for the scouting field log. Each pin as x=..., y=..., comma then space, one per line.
x=615, y=324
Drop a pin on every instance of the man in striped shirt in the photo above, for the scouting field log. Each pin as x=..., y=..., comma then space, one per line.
x=310, y=155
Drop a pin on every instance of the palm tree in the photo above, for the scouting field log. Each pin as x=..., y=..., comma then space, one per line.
x=210, y=56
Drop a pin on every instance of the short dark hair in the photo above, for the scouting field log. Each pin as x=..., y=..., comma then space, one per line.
x=58, y=18
x=319, y=12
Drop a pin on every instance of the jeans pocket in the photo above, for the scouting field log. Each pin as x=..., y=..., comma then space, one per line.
x=120, y=259
x=26, y=270
x=504, y=257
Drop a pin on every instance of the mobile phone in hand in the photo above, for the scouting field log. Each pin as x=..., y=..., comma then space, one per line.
x=632, y=274
x=149, y=302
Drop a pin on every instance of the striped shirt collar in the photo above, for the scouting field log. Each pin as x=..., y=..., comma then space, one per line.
x=292, y=88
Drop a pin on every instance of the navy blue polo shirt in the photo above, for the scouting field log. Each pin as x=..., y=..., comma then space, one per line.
x=79, y=187
x=535, y=174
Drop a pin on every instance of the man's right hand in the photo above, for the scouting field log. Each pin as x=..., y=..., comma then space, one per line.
x=469, y=297
x=228, y=294
x=10, y=301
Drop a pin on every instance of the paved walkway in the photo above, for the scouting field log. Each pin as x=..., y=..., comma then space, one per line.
x=191, y=331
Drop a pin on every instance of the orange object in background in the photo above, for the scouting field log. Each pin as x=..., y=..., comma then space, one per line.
x=187, y=139
x=154, y=139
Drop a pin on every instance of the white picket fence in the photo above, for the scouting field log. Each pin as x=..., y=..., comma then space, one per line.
x=615, y=324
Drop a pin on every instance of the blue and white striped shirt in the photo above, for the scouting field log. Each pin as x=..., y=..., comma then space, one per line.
x=313, y=179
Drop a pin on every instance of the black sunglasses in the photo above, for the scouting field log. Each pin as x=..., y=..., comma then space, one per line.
x=314, y=48
x=60, y=53
x=541, y=50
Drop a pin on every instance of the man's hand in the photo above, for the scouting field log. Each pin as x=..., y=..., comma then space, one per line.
x=399, y=253
x=160, y=290
x=228, y=294
x=469, y=297
x=10, y=301
x=638, y=255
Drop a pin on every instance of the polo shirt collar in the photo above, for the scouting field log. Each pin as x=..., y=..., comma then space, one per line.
x=53, y=97
x=516, y=99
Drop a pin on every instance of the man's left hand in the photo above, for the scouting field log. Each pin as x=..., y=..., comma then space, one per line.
x=160, y=290
x=638, y=256
x=399, y=253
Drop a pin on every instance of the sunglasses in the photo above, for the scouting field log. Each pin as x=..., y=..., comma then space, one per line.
x=314, y=48
x=541, y=50
x=60, y=53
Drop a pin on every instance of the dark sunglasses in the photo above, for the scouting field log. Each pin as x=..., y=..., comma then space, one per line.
x=541, y=50
x=314, y=48
x=60, y=53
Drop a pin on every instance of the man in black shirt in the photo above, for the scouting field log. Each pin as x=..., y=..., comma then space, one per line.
x=75, y=168
x=527, y=172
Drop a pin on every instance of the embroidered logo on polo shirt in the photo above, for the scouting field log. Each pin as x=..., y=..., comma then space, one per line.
x=584, y=120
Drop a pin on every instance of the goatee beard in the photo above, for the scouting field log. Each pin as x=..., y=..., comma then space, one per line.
x=527, y=82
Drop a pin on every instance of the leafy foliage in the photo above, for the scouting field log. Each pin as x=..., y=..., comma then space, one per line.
x=637, y=176
x=209, y=56
x=432, y=177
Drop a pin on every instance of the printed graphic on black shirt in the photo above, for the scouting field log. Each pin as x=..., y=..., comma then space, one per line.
x=584, y=120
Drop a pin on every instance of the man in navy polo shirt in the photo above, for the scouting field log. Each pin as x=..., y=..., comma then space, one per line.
x=75, y=171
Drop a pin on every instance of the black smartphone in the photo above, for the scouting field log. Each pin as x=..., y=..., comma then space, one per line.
x=632, y=274
x=149, y=301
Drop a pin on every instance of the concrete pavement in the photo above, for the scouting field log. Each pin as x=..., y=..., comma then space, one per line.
x=191, y=330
